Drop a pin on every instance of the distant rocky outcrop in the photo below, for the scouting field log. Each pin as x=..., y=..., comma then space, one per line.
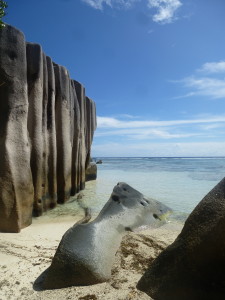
x=99, y=162
x=46, y=130
x=193, y=266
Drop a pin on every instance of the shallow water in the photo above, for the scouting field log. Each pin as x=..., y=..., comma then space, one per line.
x=180, y=183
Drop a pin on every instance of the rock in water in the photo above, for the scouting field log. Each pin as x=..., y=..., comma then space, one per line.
x=86, y=252
x=99, y=162
x=91, y=172
x=193, y=266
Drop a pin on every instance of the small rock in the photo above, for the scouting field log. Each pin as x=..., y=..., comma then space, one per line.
x=88, y=297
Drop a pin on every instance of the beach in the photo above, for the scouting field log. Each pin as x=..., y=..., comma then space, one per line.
x=180, y=182
x=112, y=113
x=25, y=255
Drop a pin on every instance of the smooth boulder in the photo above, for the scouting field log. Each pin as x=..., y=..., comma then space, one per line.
x=193, y=267
x=86, y=252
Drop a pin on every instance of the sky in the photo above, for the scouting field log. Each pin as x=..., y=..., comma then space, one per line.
x=155, y=69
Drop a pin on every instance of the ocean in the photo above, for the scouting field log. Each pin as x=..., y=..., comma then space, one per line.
x=178, y=182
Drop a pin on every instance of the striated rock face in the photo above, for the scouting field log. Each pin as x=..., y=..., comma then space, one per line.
x=193, y=266
x=46, y=130
x=16, y=188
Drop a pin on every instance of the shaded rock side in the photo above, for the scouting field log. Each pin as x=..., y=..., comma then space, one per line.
x=47, y=126
x=16, y=188
x=63, y=108
x=80, y=91
x=75, y=175
x=193, y=266
x=41, y=127
x=91, y=171
x=35, y=80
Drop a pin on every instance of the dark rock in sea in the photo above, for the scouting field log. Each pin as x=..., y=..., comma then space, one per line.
x=99, y=161
x=91, y=171
x=193, y=266
x=46, y=127
x=86, y=252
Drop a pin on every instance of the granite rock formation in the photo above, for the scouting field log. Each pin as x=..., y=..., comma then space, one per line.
x=91, y=171
x=46, y=130
x=193, y=266
x=86, y=252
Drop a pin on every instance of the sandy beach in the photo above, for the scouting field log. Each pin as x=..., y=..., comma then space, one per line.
x=25, y=255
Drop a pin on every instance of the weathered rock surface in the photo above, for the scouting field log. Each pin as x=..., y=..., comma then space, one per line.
x=91, y=171
x=193, y=266
x=16, y=188
x=86, y=252
x=46, y=124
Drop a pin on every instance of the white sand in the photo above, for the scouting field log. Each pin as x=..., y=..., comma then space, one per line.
x=24, y=256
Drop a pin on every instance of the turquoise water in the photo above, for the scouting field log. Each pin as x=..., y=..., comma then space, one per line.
x=180, y=183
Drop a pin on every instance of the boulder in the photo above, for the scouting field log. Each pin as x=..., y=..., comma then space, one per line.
x=193, y=266
x=91, y=171
x=86, y=252
x=99, y=162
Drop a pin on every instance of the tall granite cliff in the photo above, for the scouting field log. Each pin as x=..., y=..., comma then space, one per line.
x=46, y=131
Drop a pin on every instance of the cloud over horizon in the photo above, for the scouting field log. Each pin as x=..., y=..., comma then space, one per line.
x=209, y=127
x=182, y=149
x=206, y=81
x=201, y=135
x=111, y=122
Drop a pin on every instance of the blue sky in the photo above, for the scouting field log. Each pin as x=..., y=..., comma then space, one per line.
x=155, y=68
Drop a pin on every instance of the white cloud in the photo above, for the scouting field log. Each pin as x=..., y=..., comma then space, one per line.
x=98, y=4
x=205, y=86
x=201, y=128
x=199, y=136
x=166, y=10
x=108, y=122
x=213, y=67
x=126, y=116
x=212, y=85
x=213, y=126
x=144, y=133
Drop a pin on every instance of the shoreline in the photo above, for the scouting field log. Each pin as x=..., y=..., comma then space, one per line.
x=25, y=255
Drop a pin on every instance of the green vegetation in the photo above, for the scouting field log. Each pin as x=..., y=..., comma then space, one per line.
x=3, y=6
